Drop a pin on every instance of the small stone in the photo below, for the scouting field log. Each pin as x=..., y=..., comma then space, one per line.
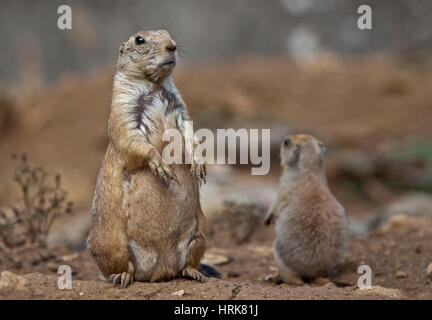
x=70, y=257
x=216, y=258
x=261, y=250
x=404, y=222
x=429, y=271
x=12, y=281
x=330, y=285
x=179, y=293
x=401, y=274
x=81, y=293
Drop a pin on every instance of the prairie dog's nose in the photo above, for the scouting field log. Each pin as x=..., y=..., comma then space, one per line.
x=171, y=46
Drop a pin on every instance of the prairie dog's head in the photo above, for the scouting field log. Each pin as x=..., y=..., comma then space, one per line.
x=302, y=151
x=150, y=55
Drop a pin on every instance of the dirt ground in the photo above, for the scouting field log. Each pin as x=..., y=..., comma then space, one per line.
x=359, y=106
x=244, y=266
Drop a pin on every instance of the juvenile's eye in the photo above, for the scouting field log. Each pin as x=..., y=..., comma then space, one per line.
x=139, y=40
x=287, y=142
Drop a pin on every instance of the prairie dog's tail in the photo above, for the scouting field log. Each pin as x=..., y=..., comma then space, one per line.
x=209, y=271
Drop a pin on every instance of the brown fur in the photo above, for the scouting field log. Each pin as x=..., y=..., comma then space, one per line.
x=310, y=224
x=147, y=222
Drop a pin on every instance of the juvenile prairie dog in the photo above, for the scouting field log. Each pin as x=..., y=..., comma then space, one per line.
x=147, y=223
x=311, y=226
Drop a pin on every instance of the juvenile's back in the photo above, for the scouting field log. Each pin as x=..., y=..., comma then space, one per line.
x=310, y=224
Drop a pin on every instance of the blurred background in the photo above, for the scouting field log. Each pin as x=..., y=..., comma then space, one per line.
x=294, y=66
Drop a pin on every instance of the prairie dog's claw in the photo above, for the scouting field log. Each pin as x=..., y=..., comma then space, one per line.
x=199, y=171
x=194, y=274
x=159, y=168
x=123, y=279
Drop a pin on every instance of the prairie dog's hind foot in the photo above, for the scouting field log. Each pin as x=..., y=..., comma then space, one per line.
x=288, y=278
x=193, y=273
x=320, y=281
x=125, y=278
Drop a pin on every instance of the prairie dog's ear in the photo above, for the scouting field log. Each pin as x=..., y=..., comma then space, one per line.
x=122, y=49
x=269, y=218
x=289, y=153
x=322, y=147
x=295, y=156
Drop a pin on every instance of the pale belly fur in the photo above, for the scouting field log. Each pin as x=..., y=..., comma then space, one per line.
x=161, y=222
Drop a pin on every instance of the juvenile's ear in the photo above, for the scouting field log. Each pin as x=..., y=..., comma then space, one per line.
x=296, y=156
x=122, y=49
x=322, y=146
x=269, y=218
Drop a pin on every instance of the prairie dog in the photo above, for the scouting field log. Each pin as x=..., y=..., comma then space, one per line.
x=147, y=223
x=311, y=226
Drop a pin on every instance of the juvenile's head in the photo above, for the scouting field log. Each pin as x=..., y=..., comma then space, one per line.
x=302, y=151
x=149, y=55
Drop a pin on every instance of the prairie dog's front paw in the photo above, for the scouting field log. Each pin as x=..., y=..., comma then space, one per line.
x=199, y=171
x=159, y=168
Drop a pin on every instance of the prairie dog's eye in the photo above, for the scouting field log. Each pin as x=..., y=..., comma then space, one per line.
x=287, y=142
x=139, y=40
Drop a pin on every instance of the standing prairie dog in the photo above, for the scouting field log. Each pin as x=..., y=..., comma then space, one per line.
x=147, y=223
x=311, y=226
